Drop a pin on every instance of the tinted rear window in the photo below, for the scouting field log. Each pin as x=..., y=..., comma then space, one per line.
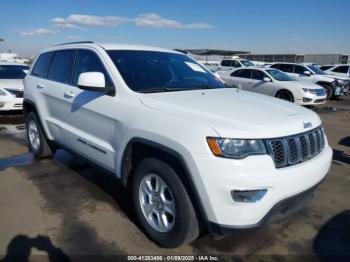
x=62, y=66
x=243, y=73
x=341, y=69
x=41, y=67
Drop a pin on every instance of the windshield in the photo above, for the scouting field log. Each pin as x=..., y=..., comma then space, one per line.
x=13, y=71
x=316, y=70
x=279, y=75
x=151, y=71
x=247, y=63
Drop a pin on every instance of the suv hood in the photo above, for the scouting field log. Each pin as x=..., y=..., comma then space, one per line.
x=300, y=84
x=235, y=113
x=337, y=77
x=14, y=84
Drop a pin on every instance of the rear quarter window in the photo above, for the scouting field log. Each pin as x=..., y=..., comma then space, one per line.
x=42, y=64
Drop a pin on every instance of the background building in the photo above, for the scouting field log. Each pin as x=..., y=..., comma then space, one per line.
x=206, y=55
x=321, y=59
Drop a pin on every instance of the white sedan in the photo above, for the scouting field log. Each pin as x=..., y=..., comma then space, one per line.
x=11, y=86
x=275, y=83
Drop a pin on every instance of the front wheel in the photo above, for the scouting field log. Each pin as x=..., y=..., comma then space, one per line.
x=329, y=91
x=285, y=95
x=163, y=205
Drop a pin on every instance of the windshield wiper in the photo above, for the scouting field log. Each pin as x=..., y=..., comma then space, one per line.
x=166, y=89
x=154, y=90
x=173, y=89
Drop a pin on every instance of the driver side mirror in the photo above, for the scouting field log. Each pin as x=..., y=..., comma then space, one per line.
x=307, y=73
x=267, y=79
x=93, y=81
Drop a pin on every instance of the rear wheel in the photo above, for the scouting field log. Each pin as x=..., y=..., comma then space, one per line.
x=285, y=95
x=37, y=141
x=163, y=205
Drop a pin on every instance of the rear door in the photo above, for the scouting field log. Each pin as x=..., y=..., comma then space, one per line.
x=342, y=71
x=287, y=68
x=54, y=86
x=241, y=78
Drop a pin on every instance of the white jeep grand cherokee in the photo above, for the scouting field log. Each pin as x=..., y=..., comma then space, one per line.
x=195, y=154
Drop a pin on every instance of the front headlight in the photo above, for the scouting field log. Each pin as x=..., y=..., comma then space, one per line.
x=236, y=148
x=3, y=93
x=307, y=90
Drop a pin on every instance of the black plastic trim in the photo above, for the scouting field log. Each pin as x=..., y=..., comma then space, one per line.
x=219, y=231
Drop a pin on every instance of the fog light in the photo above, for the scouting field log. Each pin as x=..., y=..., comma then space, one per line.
x=305, y=99
x=2, y=105
x=248, y=196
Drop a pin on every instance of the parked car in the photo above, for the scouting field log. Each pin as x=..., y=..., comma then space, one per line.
x=340, y=70
x=311, y=73
x=229, y=64
x=210, y=65
x=273, y=82
x=194, y=153
x=11, y=86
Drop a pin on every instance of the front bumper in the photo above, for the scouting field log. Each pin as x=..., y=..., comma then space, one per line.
x=282, y=209
x=9, y=104
x=311, y=99
x=217, y=177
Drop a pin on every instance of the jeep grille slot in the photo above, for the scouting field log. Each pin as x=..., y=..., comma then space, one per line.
x=291, y=150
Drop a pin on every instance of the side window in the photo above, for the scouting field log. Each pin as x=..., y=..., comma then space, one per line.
x=286, y=68
x=242, y=73
x=226, y=62
x=87, y=61
x=258, y=75
x=341, y=69
x=325, y=67
x=62, y=66
x=300, y=69
x=276, y=66
x=235, y=63
x=41, y=67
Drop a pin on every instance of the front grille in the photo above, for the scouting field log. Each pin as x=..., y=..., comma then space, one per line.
x=16, y=93
x=287, y=151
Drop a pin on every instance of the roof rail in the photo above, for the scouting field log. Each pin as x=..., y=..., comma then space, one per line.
x=79, y=42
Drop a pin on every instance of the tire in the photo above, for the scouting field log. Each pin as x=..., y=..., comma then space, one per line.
x=36, y=138
x=329, y=91
x=183, y=226
x=285, y=95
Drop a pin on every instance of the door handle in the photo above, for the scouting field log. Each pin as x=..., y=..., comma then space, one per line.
x=69, y=94
x=40, y=86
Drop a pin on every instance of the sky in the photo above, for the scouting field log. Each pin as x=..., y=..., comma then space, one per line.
x=259, y=26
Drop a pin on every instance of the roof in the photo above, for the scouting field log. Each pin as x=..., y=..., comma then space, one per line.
x=111, y=46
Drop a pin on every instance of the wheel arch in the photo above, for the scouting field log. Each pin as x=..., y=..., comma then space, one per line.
x=30, y=106
x=138, y=148
x=285, y=90
x=323, y=83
